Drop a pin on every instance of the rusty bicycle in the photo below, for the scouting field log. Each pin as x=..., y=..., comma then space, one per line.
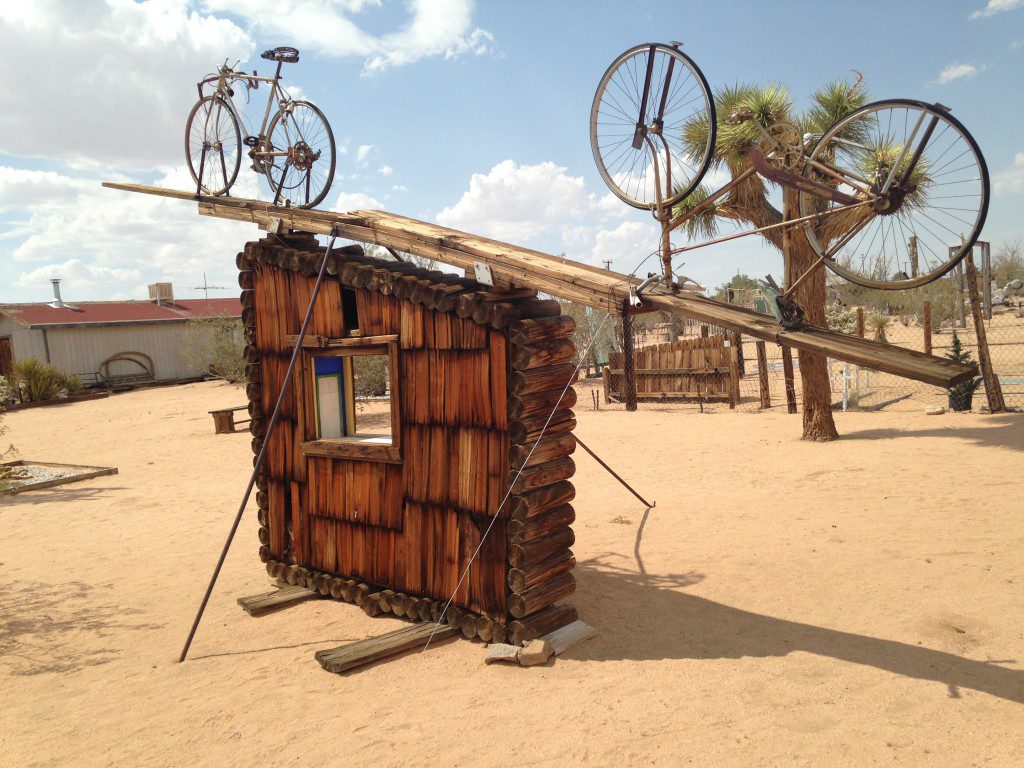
x=293, y=147
x=892, y=196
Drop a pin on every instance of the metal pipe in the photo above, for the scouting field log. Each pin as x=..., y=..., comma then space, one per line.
x=612, y=472
x=263, y=448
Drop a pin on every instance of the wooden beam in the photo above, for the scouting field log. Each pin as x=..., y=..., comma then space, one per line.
x=254, y=605
x=593, y=286
x=372, y=649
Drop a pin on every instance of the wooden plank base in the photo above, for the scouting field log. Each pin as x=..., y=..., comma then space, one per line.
x=254, y=605
x=346, y=657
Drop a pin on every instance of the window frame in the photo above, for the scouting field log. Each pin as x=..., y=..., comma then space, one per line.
x=348, y=447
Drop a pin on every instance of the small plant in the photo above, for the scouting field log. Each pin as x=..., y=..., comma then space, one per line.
x=215, y=345
x=878, y=323
x=73, y=383
x=840, y=319
x=36, y=381
x=962, y=394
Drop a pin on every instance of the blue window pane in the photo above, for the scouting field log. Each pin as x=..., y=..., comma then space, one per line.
x=323, y=366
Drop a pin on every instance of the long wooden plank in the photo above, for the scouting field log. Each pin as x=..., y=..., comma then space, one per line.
x=590, y=285
x=254, y=605
x=372, y=649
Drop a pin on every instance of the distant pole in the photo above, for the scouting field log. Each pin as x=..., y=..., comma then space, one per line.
x=926, y=326
x=787, y=374
x=992, y=389
x=860, y=322
x=628, y=361
x=986, y=277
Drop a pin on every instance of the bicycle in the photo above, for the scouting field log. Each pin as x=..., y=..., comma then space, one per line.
x=295, y=151
x=872, y=202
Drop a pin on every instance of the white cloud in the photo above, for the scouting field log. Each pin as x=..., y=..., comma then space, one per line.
x=356, y=201
x=956, y=71
x=996, y=6
x=435, y=28
x=363, y=153
x=626, y=244
x=385, y=170
x=1010, y=181
x=518, y=202
x=64, y=229
x=399, y=188
x=106, y=82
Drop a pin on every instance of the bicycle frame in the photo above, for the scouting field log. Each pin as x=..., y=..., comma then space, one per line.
x=222, y=88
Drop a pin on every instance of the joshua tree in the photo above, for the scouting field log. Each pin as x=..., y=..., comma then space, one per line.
x=749, y=204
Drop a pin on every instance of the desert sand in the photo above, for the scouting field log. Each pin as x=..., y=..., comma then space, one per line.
x=857, y=603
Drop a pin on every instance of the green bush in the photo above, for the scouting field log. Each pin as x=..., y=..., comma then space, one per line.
x=215, y=345
x=35, y=381
x=370, y=373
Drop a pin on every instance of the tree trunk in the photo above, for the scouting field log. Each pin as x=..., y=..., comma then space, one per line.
x=817, y=391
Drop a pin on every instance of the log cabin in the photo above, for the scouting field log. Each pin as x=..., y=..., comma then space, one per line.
x=416, y=399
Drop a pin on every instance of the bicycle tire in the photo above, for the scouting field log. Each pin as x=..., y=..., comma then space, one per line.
x=698, y=171
x=193, y=154
x=328, y=178
x=901, y=280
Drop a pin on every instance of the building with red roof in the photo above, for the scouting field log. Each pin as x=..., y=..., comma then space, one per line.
x=80, y=337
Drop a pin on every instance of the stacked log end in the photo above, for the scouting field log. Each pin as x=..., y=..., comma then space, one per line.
x=543, y=364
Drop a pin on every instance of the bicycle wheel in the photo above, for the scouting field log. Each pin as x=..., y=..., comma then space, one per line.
x=213, y=127
x=924, y=187
x=307, y=168
x=650, y=93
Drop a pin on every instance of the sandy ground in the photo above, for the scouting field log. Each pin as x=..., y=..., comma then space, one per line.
x=857, y=603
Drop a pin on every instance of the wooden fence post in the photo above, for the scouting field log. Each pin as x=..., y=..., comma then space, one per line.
x=958, y=281
x=628, y=361
x=787, y=373
x=737, y=340
x=926, y=326
x=992, y=389
x=860, y=322
x=734, y=376
x=762, y=375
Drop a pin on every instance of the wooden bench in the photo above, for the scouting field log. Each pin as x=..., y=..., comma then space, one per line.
x=224, y=420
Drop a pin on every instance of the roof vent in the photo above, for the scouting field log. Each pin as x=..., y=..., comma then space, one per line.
x=58, y=302
x=161, y=293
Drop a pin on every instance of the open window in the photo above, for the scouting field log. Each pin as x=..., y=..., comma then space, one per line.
x=350, y=399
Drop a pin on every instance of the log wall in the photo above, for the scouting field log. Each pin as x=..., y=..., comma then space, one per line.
x=478, y=377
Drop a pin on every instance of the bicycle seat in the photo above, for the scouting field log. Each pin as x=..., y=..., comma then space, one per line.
x=741, y=115
x=283, y=54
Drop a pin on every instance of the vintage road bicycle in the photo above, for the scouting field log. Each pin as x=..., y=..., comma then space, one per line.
x=293, y=148
x=892, y=196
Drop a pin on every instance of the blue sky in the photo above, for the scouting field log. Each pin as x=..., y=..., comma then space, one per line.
x=475, y=116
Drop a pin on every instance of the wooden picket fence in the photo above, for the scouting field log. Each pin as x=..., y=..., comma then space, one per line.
x=703, y=369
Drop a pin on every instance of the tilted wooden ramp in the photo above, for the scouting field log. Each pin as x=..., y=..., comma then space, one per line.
x=595, y=287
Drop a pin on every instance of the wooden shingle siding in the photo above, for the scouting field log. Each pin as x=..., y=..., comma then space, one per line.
x=410, y=529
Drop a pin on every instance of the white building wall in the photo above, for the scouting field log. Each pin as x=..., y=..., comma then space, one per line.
x=83, y=349
x=24, y=342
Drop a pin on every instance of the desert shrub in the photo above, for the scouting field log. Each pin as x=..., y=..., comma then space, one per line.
x=7, y=393
x=840, y=319
x=878, y=323
x=35, y=381
x=370, y=373
x=215, y=345
x=1008, y=262
x=73, y=383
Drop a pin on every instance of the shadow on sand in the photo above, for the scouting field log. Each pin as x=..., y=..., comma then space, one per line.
x=689, y=627
x=1000, y=431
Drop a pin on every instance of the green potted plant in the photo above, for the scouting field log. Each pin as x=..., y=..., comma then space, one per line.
x=962, y=394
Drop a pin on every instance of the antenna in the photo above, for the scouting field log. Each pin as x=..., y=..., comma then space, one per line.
x=205, y=287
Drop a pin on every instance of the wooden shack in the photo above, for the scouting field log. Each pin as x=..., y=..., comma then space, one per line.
x=386, y=509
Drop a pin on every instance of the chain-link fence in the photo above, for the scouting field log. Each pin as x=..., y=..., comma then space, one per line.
x=759, y=381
